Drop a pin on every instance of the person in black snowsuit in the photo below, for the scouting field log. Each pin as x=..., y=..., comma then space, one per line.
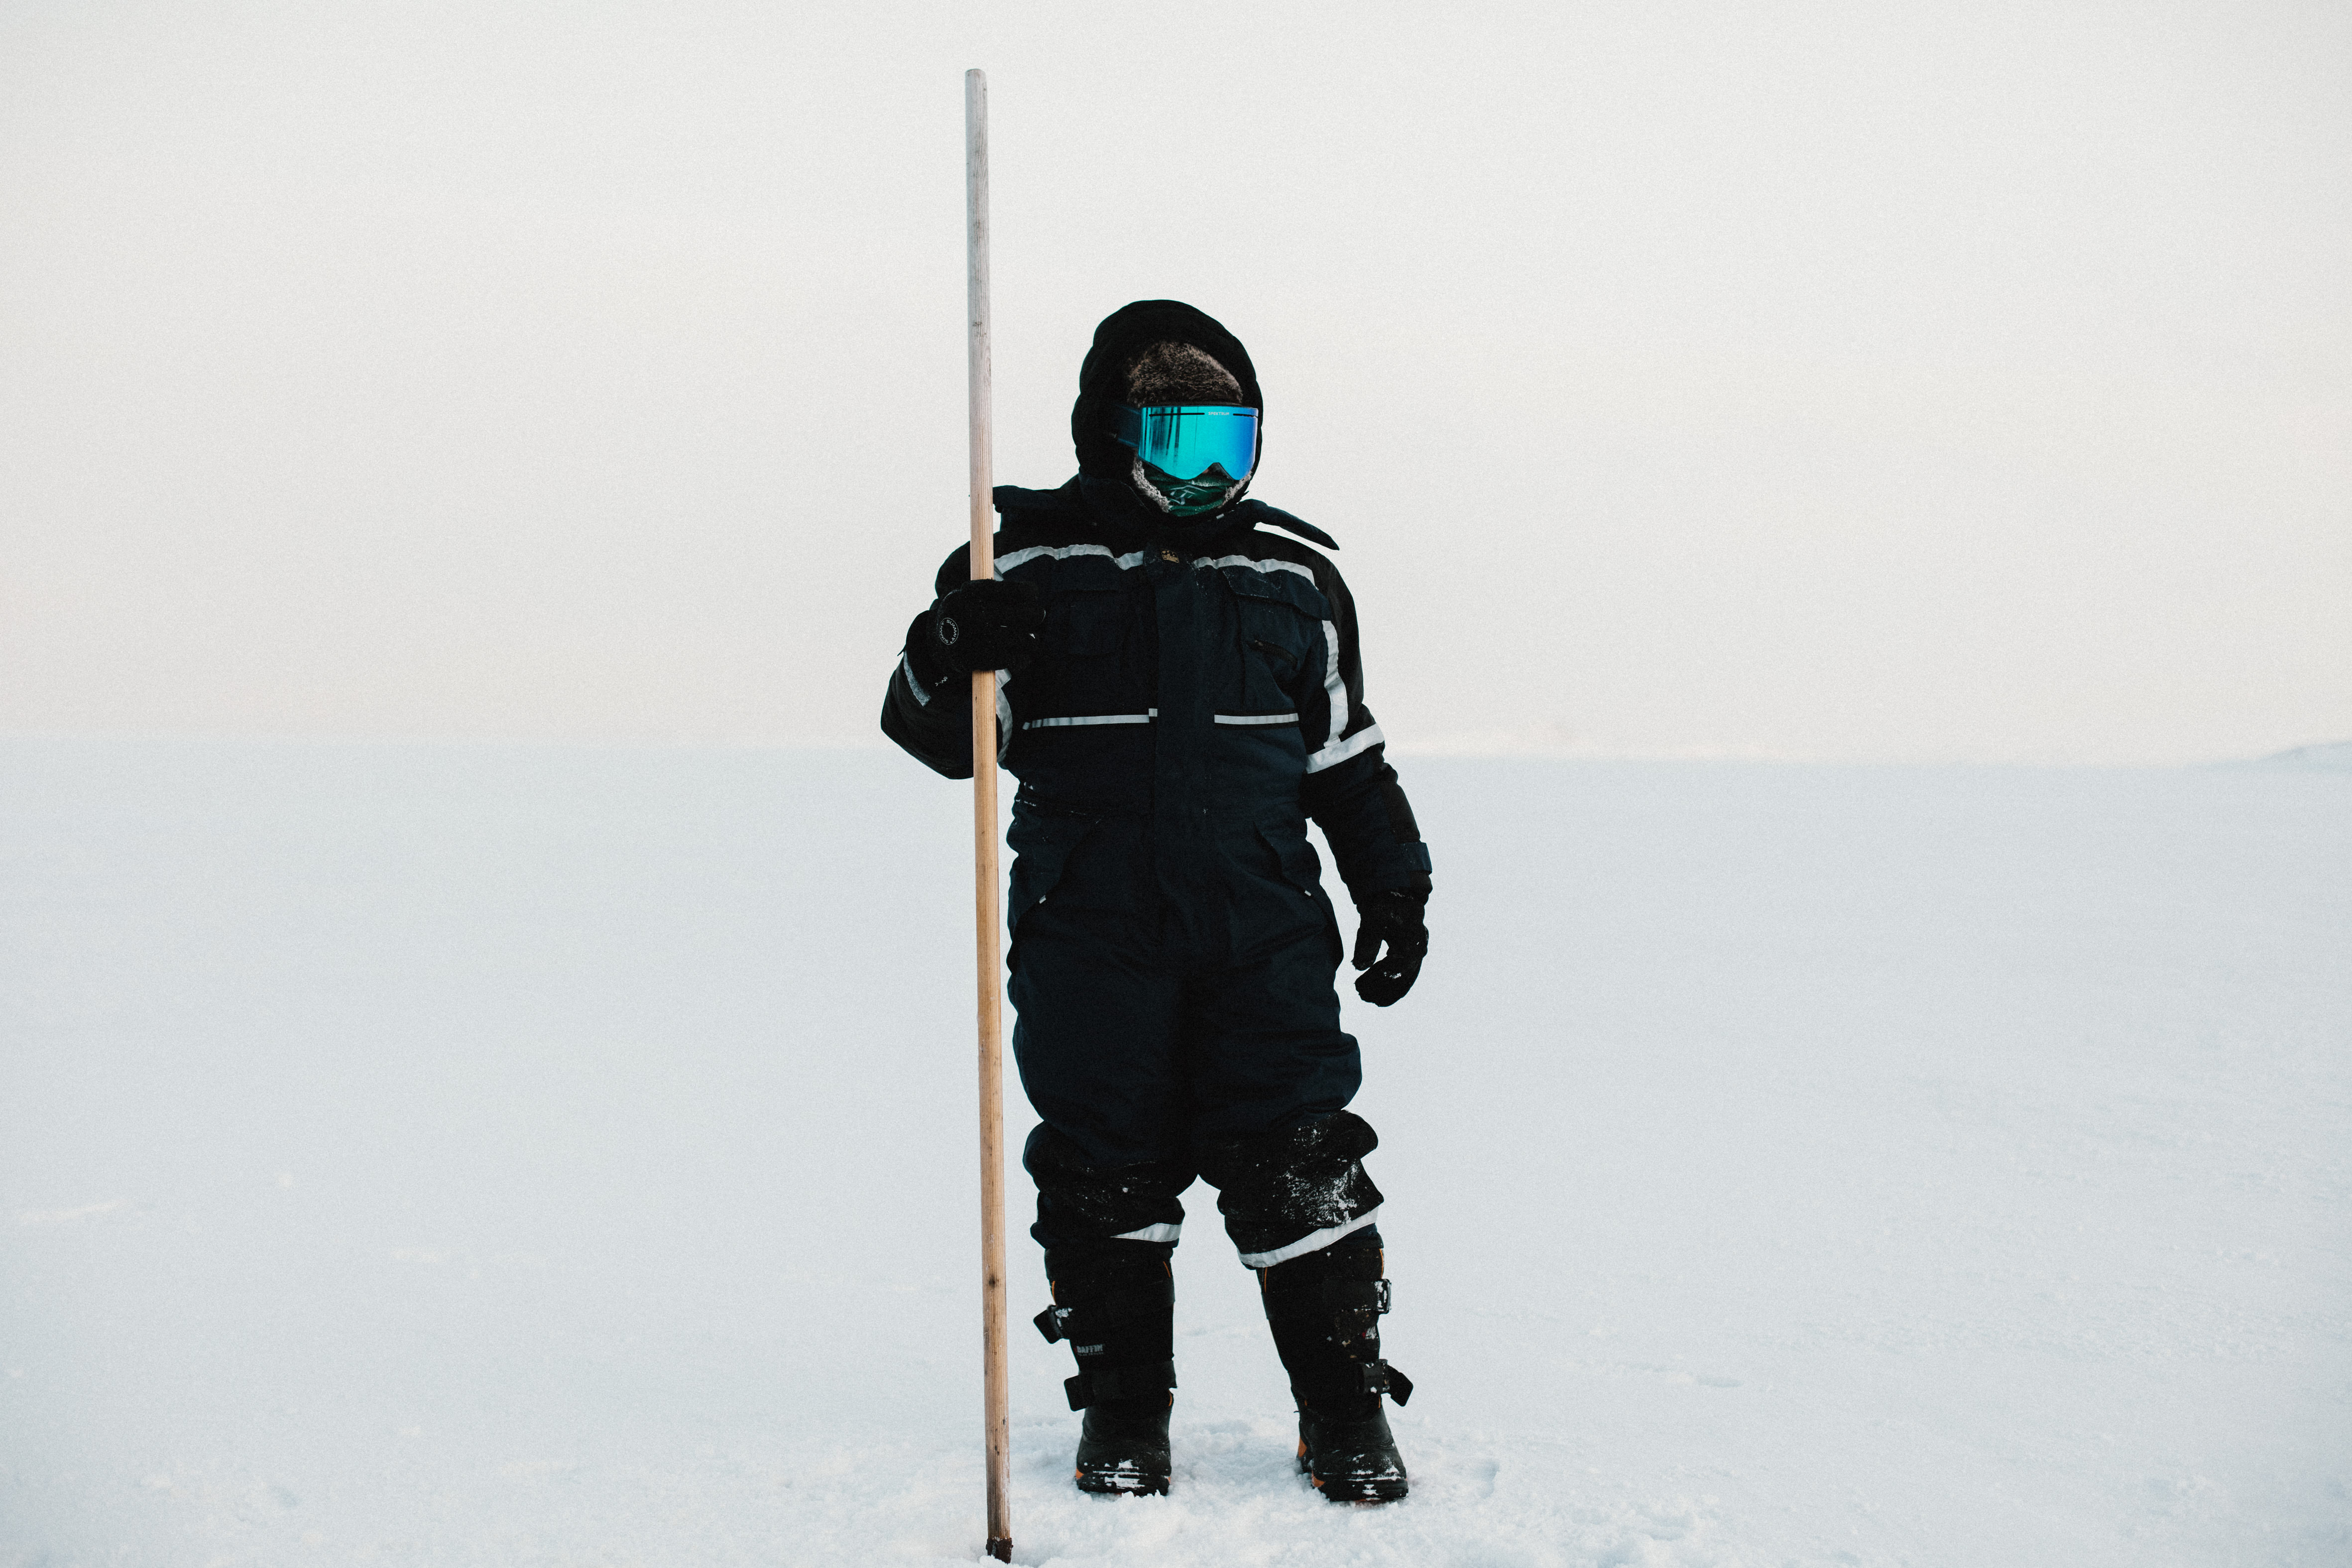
x=1180, y=690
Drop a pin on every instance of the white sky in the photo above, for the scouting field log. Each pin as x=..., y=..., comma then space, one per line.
x=1852, y=381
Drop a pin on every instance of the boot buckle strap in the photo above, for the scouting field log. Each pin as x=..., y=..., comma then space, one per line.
x=1380, y=1377
x=1092, y=1318
x=1373, y=1297
x=1089, y=1388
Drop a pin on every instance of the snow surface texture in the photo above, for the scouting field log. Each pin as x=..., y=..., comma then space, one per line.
x=540, y=1155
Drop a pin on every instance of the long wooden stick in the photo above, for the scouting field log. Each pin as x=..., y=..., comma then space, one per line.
x=983, y=825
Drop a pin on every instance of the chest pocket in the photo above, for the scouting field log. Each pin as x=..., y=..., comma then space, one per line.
x=1089, y=660
x=1085, y=623
x=1088, y=608
x=1279, y=621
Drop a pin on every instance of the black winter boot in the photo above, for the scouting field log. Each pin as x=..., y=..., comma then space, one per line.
x=1325, y=1310
x=1118, y=1310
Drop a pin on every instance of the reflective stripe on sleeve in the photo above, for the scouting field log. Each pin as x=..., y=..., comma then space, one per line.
x=1255, y=717
x=1162, y=1232
x=1339, y=752
x=1335, y=750
x=1333, y=686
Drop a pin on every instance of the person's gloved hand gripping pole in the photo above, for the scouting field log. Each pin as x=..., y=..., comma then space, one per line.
x=985, y=624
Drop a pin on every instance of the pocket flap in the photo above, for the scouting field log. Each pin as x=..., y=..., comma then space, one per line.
x=1291, y=589
x=1301, y=867
x=1042, y=844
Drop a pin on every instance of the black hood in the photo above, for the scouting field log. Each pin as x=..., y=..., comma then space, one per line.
x=1106, y=468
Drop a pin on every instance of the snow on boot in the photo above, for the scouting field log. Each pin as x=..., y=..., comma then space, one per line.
x=1325, y=1310
x=1120, y=1318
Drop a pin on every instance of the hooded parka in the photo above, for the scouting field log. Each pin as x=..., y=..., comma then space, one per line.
x=1197, y=696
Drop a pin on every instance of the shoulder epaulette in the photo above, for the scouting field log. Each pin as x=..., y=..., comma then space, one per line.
x=1259, y=515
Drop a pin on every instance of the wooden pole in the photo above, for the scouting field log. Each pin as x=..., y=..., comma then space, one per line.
x=987, y=915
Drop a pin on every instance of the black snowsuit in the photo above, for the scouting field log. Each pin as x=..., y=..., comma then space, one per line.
x=1198, y=695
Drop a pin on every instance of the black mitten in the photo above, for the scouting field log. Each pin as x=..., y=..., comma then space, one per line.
x=1392, y=920
x=985, y=625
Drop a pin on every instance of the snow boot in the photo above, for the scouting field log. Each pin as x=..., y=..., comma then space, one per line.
x=1118, y=1313
x=1325, y=1310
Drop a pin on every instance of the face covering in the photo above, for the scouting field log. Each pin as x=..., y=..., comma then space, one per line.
x=1192, y=454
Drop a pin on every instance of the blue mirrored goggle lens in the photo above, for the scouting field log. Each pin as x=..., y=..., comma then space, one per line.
x=1185, y=440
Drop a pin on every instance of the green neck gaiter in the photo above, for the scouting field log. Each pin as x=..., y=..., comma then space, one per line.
x=1187, y=498
x=1191, y=497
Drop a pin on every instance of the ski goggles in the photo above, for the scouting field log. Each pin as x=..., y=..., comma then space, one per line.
x=1185, y=440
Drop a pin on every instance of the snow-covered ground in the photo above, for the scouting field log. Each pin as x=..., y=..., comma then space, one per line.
x=515, y=1156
